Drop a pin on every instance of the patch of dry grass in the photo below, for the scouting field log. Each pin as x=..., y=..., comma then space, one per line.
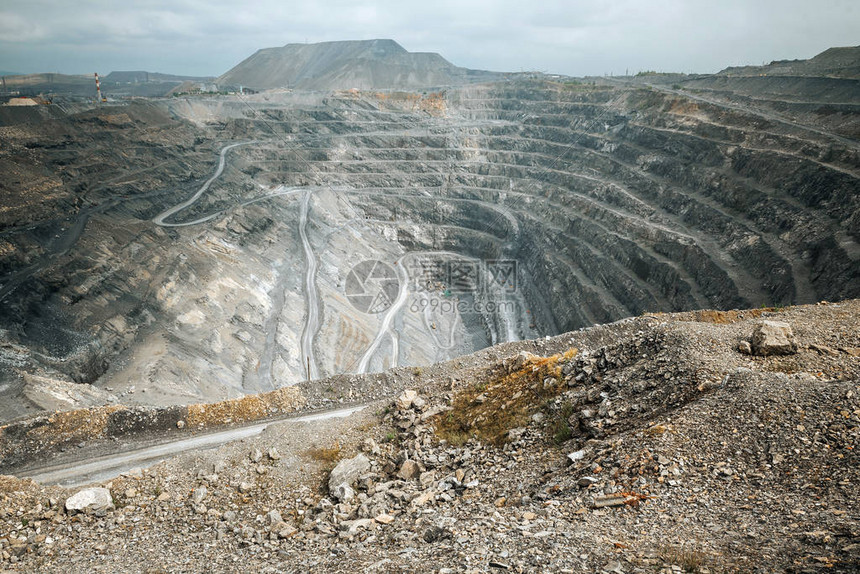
x=324, y=455
x=247, y=408
x=79, y=425
x=689, y=559
x=488, y=409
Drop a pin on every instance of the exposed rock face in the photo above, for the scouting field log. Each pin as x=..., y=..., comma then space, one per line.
x=114, y=85
x=773, y=338
x=841, y=62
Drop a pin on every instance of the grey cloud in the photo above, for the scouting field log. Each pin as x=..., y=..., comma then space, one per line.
x=570, y=37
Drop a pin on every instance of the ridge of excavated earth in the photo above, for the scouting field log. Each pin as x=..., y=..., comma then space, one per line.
x=653, y=444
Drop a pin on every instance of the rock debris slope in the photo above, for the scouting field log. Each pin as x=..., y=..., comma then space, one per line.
x=647, y=445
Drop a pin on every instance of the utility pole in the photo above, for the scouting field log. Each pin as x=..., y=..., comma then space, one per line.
x=309, y=369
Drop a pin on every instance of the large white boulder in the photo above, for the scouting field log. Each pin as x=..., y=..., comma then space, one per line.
x=90, y=500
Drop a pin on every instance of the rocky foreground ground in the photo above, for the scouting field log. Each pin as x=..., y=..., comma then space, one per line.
x=695, y=442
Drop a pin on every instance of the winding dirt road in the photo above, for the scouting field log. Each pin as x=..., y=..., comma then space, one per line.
x=222, y=162
x=312, y=324
x=510, y=332
x=110, y=466
x=389, y=315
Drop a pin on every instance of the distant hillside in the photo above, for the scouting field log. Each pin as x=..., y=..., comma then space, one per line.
x=834, y=62
x=34, y=84
x=138, y=77
x=364, y=64
x=831, y=77
x=114, y=85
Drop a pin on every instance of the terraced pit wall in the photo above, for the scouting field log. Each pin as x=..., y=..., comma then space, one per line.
x=626, y=200
x=614, y=201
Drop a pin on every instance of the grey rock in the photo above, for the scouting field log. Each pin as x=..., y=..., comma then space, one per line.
x=343, y=492
x=520, y=361
x=198, y=495
x=273, y=518
x=426, y=479
x=348, y=471
x=586, y=481
x=90, y=500
x=773, y=338
x=409, y=470
x=435, y=533
x=353, y=526
x=576, y=456
x=369, y=445
x=405, y=400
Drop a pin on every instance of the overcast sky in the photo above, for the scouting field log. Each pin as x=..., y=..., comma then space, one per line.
x=575, y=37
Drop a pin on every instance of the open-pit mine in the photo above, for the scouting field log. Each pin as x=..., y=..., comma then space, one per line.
x=197, y=248
x=381, y=311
